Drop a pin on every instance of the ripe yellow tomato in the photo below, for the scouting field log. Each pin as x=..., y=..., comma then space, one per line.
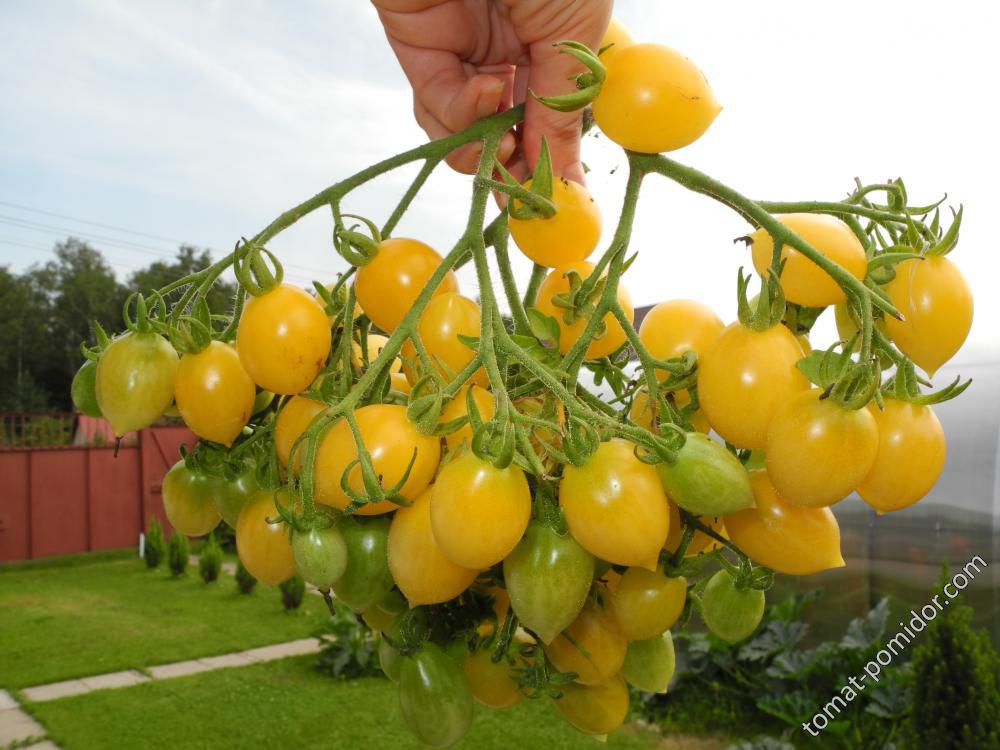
x=293, y=419
x=492, y=684
x=700, y=541
x=566, y=237
x=214, y=394
x=744, y=377
x=616, y=38
x=677, y=326
x=399, y=382
x=594, y=709
x=593, y=645
x=376, y=343
x=458, y=408
x=615, y=506
x=420, y=569
x=641, y=412
x=479, y=512
x=654, y=99
x=134, y=382
x=391, y=439
x=283, y=339
x=387, y=286
x=557, y=283
x=817, y=451
x=263, y=547
x=446, y=317
x=789, y=539
x=911, y=454
x=936, y=303
x=802, y=281
x=647, y=603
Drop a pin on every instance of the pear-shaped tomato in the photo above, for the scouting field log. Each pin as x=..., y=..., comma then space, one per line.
x=594, y=709
x=649, y=665
x=214, y=394
x=705, y=478
x=134, y=382
x=434, y=697
x=731, y=613
x=366, y=579
x=593, y=646
x=647, y=602
x=548, y=576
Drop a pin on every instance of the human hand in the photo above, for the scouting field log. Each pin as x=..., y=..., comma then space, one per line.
x=468, y=59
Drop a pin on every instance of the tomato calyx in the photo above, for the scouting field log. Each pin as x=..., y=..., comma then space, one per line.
x=905, y=386
x=588, y=85
x=770, y=305
x=852, y=384
x=534, y=201
x=357, y=248
x=252, y=271
x=190, y=334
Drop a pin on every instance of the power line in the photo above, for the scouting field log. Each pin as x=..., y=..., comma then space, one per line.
x=91, y=223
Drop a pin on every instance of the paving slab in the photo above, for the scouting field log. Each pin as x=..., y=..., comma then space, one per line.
x=282, y=650
x=17, y=726
x=126, y=678
x=7, y=701
x=46, y=745
x=178, y=669
x=225, y=660
x=54, y=690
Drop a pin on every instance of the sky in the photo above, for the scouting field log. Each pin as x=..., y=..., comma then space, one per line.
x=139, y=125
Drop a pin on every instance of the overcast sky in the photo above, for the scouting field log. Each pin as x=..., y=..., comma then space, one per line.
x=202, y=121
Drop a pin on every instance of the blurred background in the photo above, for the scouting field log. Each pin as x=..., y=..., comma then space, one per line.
x=139, y=139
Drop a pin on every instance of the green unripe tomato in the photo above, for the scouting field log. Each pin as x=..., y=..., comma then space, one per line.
x=320, y=556
x=706, y=479
x=434, y=697
x=731, y=613
x=367, y=578
x=649, y=665
x=135, y=381
x=84, y=390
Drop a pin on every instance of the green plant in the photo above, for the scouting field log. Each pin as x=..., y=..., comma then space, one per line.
x=770, y=685
x=153, y=551
x=347, y=647
x=956, y=697
x=210, y=560
x=245, y=582
x=178, y=552
x=292, y=592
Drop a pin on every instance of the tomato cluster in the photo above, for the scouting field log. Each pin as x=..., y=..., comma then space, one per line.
x=441, y=471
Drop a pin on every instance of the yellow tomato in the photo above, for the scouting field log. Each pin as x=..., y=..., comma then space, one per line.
x=677, y=326
x=802, y=281
x=557, y=283
x=376, y=343
x=594, y=709
x=458, y=408
x=593, y=645
x=789, y=539
x=570, y=235
x=642, y=413
x=654, y=99
x=445, y=318
x=214, y=394
x=479, y=512
x=616, y=38
x=492, y=684
x=743, y=379
x=911, y=454
x=295, y=416
x=936, y=305
x=647, y=602
x=420, y=569
x=389, y=284
x=391, y=440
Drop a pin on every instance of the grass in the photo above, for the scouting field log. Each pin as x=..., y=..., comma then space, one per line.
x=287, y=704
x=89, y=615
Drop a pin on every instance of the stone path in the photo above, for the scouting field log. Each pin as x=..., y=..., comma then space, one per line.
x=16, y=726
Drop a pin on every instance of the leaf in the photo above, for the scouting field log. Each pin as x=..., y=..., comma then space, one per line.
x=792, y=665
x=470, y=341
x=827, y=367
x=864, y=632
x=536, y=350
x=773, y=638
x=889, y=701
x=792, y=708
x=544, y=327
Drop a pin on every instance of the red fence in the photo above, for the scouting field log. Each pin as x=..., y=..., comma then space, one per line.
x=61, y=500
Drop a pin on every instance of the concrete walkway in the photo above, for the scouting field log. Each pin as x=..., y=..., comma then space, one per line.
x=16, y=726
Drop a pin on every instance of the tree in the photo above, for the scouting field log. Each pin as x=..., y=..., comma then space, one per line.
x=189, y=260
x=24, y=314
x=77, y=287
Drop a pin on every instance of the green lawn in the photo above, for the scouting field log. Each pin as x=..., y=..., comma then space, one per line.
x=286, y=704
x=94, y=614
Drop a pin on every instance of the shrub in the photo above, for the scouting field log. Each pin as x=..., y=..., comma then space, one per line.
x=244, y=581
x=154, y=544
x=210, y=560
x=177, y=553
x=347, y=647
x=956, y=698
x=292, y=592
